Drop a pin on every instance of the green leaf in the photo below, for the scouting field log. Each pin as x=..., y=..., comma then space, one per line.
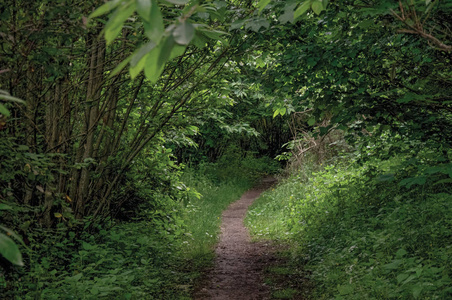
x=416, y=291
x=103, y=9
x=200, y=40
x=75, y=277
x=23, y=148
x=213, y=34
x=301, y=9
x=87, y=246
x=400, y=253
x=5, y=207
x=282, y=111
x=8, y=97
x=393, y=265
x=184, y=33
x=317, y=7
x=178, y=2
x=155, y=28
x=178, y=50
x=345, y=289
x=262, y=4
x=386, y=177
x=138, y=61
x=409, y=97
x=257, y=24
x=157, y=58
x=166, y=49
x=448, y=180
x=410, y=278
x=144, y=9
x=311, y=121
x=134, y=71
x=237, y=24
x=288, y=15
x=4, y=111
x=120, y=66
x=402, y=277
x=152, y=70
x=117, y=20
x=14, y=235
x=141, y=52
x=408, y=182
x=10, y=251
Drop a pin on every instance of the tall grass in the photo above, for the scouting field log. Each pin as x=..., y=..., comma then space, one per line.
x=362, y=235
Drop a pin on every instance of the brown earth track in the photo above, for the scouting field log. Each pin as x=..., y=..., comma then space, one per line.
x=239, y=263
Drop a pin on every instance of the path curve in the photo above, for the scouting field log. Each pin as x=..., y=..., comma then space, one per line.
x=239, y=263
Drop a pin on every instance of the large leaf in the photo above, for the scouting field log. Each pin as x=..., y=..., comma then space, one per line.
x=141, y=52
x=8, y=97
x=317, y=7
x=184, y=33
x=156, y=59
x=4, y=111
x=103, y=9
x=178, y=50
x=117, y=20
x=144, y=9
x=10, y=251
x=262, y=4
x=288, y=14
x=154, y=28
x=256, y=24
x=302, y=9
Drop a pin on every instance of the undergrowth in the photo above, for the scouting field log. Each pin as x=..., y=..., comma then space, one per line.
x=372, y=231
x=156, y=250
x=218, y=185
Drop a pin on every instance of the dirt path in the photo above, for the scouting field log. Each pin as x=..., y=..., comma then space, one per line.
x=239, y=264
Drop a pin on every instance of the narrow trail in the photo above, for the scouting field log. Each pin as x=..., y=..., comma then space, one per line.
x=239, y=263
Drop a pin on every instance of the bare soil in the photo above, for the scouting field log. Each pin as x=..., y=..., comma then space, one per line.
x=240, y=264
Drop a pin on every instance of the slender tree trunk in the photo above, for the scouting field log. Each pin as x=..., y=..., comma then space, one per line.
x=93, y=93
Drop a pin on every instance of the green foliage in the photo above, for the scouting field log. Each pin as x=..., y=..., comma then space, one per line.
x=218, y=184
x=360, y=236
x=92, y=147
x=5, y=96
x=138, y=258
x=8, y=248
x=203, y=214
x=166, y=41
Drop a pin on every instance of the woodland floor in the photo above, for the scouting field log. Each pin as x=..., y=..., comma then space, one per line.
x=238, y=272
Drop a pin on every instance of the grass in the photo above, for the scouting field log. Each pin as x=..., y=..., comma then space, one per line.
x=285, y=293
x=203, y=215
x=360, y=236
x=268, y=215
x=159, y=253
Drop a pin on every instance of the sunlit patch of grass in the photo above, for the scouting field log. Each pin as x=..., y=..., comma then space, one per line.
x=360, y=237
x=268, y=216
x=203, y=215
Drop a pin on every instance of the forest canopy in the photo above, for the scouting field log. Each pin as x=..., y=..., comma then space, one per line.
x=104, y=104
